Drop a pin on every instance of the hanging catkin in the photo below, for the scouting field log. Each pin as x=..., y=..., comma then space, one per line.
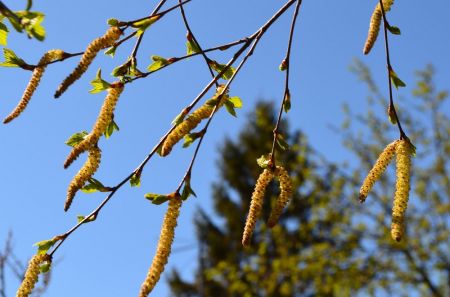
x=375, y=22
x=164, y=246
x=83, y=175
x=48, y=57
x=285, y=194
x=32, y=274
x=91, y=51
x=192, y=121
x=402, y=186
x=377, y=170
x=103, y=119
x=256, y=204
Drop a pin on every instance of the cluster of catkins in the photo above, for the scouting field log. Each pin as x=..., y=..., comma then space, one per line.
x=375, y=22
x=257, y=199
x=403, y=149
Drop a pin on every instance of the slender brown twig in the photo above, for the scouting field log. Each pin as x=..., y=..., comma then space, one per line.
x=9, y=13
x=286, y=61
x=389, y=70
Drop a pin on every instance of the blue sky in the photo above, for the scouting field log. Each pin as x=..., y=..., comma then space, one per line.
x=110, y=257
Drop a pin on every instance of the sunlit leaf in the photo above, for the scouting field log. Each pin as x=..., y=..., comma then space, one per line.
x=112, y=126
x=135, y=180
x=263, y=161
x=11, y=59
x=191, y=137
x=80, y=218
x=144, y=24
x=44, y=245
x=230, y=108
x=95, y=185
x=3, y=34
x=236, y=101
x=221, y=67
x=157, y=198
x=395, y=79
x=98, y=84
x=76, y=138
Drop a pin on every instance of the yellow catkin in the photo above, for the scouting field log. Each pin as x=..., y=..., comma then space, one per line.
x=164, y=246
x=103, y=119
x=375, y=22
x=191, y=122
x=256, y=204
x=285, y=194
x=32, y=274
x=378, y=169
x=89, y=54
x=48, y=57
x=402, y=186
x=83, y=175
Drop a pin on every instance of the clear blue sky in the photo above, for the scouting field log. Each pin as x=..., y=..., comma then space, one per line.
x=111, y=256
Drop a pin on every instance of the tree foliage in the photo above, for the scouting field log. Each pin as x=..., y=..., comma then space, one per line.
x=326, y=243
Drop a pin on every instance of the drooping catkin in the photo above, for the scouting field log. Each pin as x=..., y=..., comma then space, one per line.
x=91, y=51
x=256, y=204
x=104, y=117
x=164, y=246
x=402, y=186
x=48, y=57
x=32, y=274
x=84, y=174
x=377, y=170
x=192, y=121
x=285, y=193
x=375, y=22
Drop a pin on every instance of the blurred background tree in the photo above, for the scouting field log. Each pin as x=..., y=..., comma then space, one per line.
x=326, y=243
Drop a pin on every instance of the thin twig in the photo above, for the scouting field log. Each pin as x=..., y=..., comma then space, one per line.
x=9, y=13
x=286, y=85
x=389, y=69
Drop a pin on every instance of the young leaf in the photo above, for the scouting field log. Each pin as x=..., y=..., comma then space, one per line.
x=395, y=79
x=220, y=67
x=45, y=267
x=236, y=101
x=98, y=84
x=281, y=142
x=191, y=45
x=11, y=59
x=112, y=126
x=283, y=66
x=187, y=190
x=156, y=198
x=31, y=22
x=135, y=180
x=191, y=137
x=180, y=117
x=3, y=34
x=95, y=185
x=391, y=115
x=76, y=138
x=263, y=161
x=230, y=108
x=394, y=30
x=111, y=51
x=112, y=22
x=287, y=101
x=81, y=218
x=158, y=62
x=144, y=24
x=121, y=70
x=44, y=245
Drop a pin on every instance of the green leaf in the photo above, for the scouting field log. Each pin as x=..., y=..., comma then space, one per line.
x=220, y=67
x=3, y=34
x=156, y=198
x=158, y=62
x=230, y=108
x=144, y=24
x=191, y=137
x=11, y=59
x=263, y=161
x=236, y=101
x=395, y=79
x=112, y=22
x=287, y=101
x=180, y=117
x=192, y=46
x=76, y=138
x=187, y=190
x=31, y=22
x=111, y=51
x=121, y=70
x=95, y=185
x=80, y=218
x=44, y=245
x=281, y=142
x=98, y=84
x=112, y=126
x=44, y=267
x=135, y=180
x=394, y=30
